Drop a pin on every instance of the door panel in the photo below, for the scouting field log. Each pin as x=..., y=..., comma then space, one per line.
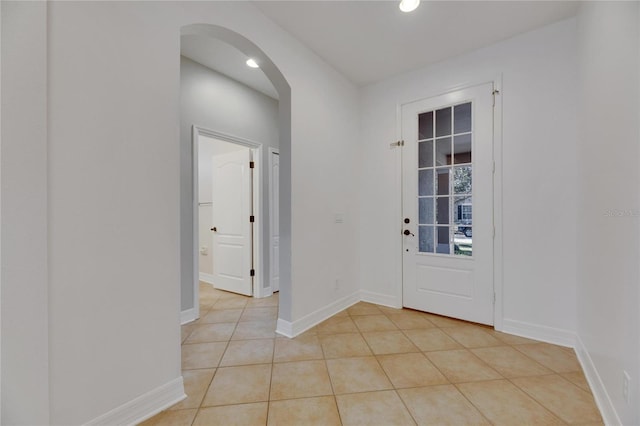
x=448, y=200
x=232, y=237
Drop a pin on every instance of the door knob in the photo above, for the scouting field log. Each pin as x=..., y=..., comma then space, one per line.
x=214, y=229
x=407, y=232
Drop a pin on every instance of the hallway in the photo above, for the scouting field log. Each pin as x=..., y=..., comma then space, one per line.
x=368, y=365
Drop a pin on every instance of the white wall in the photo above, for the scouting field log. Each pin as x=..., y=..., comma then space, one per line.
x=25, y=346
x=539, y=174
x=609, y=204
x=216, y=102
x=113, y=191
x=207, y=149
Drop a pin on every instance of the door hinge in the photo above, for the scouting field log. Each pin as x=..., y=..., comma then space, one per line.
x=252, y=218
x=494, y=232
x=494, y=93
x=397, y=143
x=252, y=164
x=494, y=298
x=494, y=167
x=252, y=272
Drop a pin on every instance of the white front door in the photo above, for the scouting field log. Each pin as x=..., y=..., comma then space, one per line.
x=274, y=217
x=448, y=204
x=232, y=228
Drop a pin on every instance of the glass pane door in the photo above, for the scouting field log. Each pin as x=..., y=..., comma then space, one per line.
x=445, y=177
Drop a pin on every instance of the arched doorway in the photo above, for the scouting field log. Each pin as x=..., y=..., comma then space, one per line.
x=189, y=256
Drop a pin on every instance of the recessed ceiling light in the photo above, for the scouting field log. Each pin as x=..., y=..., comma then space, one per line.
x=409, y=5
x=252, y=63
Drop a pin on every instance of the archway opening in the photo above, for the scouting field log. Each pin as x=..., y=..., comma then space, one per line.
x=188, y=212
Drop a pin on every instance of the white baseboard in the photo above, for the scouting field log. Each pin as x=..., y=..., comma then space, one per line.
x=207, y=278
x=380, y=299
x=292, y=329
x=285, y=328
x=599, y=391
x=188, y=315
x=144, y=406
x=556, y=336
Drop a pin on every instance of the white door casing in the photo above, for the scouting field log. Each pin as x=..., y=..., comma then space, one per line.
x=447, y=192
x=274, y=218
x=232, y=230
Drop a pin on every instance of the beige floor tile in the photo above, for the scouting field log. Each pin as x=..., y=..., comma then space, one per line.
x=556, y=358
x=561, y=397
x=341, y=324
x=387, y=310
x=511, y=339
x=171, y=418
x=389, y=342
x=444, y=322
x=208, y=297
x=230, y=303
x=302, y=383
x=462, y=366
x=220, y=332
x=185, y=331
x=411, y=370
x=374, y=323
x=302, y=348
x=363, y=308
x=263, y=302
x=350, y=375
x=321, y=411
x=578, y=379
x=373, y=408
x=342, y=313
x=202, y=355
x=344, y=345
x=233, y=415
x=502, y=403
x=239, y=385
x=472, y=337
x=255, y=330
x=441, y=405
x=410, y=321
x=222, y=315
x=196, y=383
x=509, y=362
x=204, y=309
x=245, y=352
x=260, y=314
x=300, y=379
x=229, y=295
x=432, y=339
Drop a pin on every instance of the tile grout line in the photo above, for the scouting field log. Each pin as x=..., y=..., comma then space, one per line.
x=393, y=387
x=536, y=399
x=273, y=356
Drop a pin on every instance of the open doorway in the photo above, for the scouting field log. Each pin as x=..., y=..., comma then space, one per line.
x=231, y=116
x=228, y=185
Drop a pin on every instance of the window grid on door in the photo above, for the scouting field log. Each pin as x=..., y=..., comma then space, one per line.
x=445, y=173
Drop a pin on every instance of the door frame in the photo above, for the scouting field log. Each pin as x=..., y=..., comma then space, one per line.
x=497, y=190
x=271, y=152
x=258, y=255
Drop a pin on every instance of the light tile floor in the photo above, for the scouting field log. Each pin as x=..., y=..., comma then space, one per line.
x=369, y=365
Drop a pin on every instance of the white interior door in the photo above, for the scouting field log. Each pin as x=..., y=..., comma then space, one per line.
x=232, y=229
x=448, y=204
x=274, y=218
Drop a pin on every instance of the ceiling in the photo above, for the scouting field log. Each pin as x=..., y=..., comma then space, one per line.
x=368, y=41
x=227, y=60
